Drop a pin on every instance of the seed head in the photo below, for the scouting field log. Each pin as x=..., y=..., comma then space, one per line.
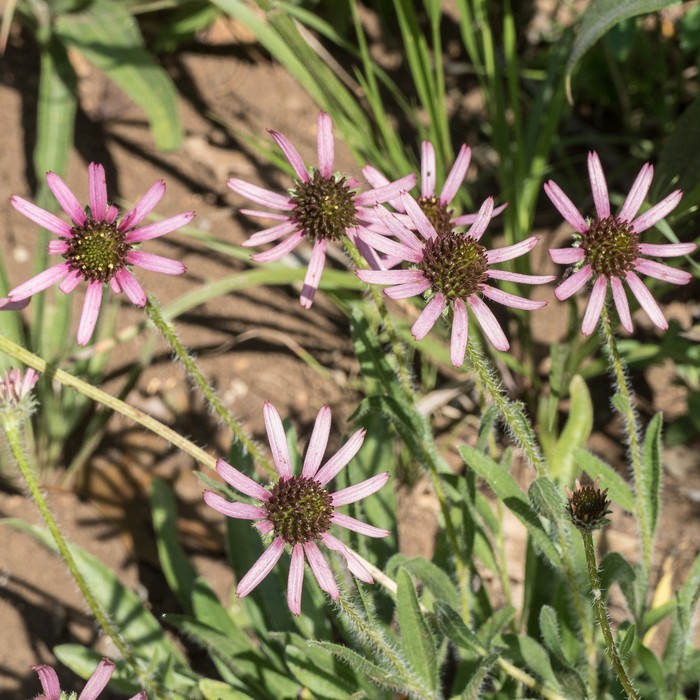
x=611, y=246
x=588, y=506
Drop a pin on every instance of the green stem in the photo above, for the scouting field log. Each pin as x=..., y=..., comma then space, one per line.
x=12, y=431
x=602, y=613
x=193, y=371
x=625, y=407
x=512, y=412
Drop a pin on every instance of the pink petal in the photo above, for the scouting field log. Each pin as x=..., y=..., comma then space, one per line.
x=517, y=277
x=572, y=284
x=374, y=177
x=65, y=197
x=507, y=299
x=663, y=272
x=130, y=286
x=98, y=681
x=264, y=214
x=160, y=228
x=387, y=193
x=667, y=250
x=646, y=300
x=483, y=218
x=321, y=570
x=565, y=206
x=155, y=263
x=264, y=527
x=456, y=175
x=49, y=682
x=58, y=247
x=317, y=443
x=39, y=282
x=233, y=509
x=623, y=308
x=111, y=217
x=489, y=324
x=141, y=695
x=410, y=289
x=657, y=212
x=355, y=565
x=115, y=286
x=325, y=146
x=390, y=247
x=430, y=314
x=291, y=154
x=91, y=310
x=395, y=227
x=281, y=249
x=278, y=441
x=418, y=217
x=295, y=580
x=511, y=251
x=340, y=459
x=7, y=305
x=313, y=273
x=70, y=281
x=460, y=331
x=566, y=256
x=595, y=305
x=427, y=170
x=260, y=195
x=261, y=568
x=637, y=193
x=39, y=216
x=390, y=276
x=469, y=219
x=144, y=206
x=357, y=526
x=599, y=186
x=270, y=234
x=241, y=482
x=97, y=190
x=365, y=488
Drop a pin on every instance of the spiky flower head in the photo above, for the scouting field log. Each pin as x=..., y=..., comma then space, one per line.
x=298, y=509
x=16, y=399
x=588, y=506
x=608, y=249
x=98, y=247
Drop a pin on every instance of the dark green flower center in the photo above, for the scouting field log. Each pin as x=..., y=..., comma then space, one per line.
x=325, y=207
x=97, y=250
x=455, y=265
x=438, y=214
x=299, y=509
x=611, y=246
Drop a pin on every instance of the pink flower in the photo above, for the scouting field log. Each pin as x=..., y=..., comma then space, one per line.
x=453, y=269
x=15, y=387
x=95, y=685
x=299, y=510
x=608, y=251
x=96, y=247
x=320, y=207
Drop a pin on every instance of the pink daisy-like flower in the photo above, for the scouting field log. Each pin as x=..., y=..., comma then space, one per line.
x=453, y=268
x=608, y=250
x=298, y=510
x=95, y=685
x=97, y=247
x=320, y=207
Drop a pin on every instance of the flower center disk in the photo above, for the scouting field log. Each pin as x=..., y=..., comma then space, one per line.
x=438, y=214
x=455, y=265
x=299, y=509
x=325, y=207
x=97, y=250
x=611, y=246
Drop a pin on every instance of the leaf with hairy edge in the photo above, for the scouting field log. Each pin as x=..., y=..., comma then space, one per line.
x=624, y=646
x=474, y=688
x=549, y=629
x=508, y=491
x=600, y=17
x=428, y=574
x=651, y=471
x=495, y=624
x=618, y=490
x=526, y=650
x=453, y=627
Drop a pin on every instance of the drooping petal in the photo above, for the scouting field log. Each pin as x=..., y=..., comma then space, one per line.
x=657, y=212
x=566, y=256
x=144, y=206
x=317, y=443
x=241, y=482
x=565, y=206
x=98, y=680
x=460, y=332
x=281, y=249
x=278, y=441
x=291, y=154
x=49, y=682
x=260, y=195
x=646, y=300
x=155, y=263
x=233, y=509
x=595, y=305
x=598, y=186
x=270, y=234
x=395, y=227
x=321, y=570
x=483, y=218
x=325, y=145
x=418, y=217
x=637, y=193
x=456, y=175
x=295, y=581
x=663, y=272
x=57, y=247
x=390, y=276
x=430, y=314
x=40, y=282
x=356, y=526
x=313, y=273
x=666, y=250
x=489, y=324
x=509, y=252
x=355, y=565
x=507, y=299
x=65, y=197
x=264, y=214
x=572, y=284
x=160, y=228
x=70, y=281
x=469, y=219
x=340, y=459
x=97, y=191
x=387, y=193
x=8, y=305
x=91, y=310
x=40, y=216
x=427, y=170
x=261, y=568
x=518, y=277
x=409, y=289
x=374, y=177
x=390, y=247
x=621, y=304
x=357, y=492
x=131, y=287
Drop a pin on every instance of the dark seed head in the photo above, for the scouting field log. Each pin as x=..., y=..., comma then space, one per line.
x=438, y=214
x=455, y=265
x=588, y=506
x=299, y=509
x=611, y=246
x=97, y=250
x=325, y=207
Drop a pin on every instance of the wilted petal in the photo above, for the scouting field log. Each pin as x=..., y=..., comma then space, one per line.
x=261, y=568
x=98, y=681
x=49, y=682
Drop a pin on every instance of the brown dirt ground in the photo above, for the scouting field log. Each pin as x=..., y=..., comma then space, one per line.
x=243, y=342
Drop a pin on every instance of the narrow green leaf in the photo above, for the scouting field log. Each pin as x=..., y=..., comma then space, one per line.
x=453, y=627
x=216, y=690
x=526, y=650
x=624, y=646
x=618, y=490
x=318, y=672
x=474, y=688
x=495, y=625
x=429, y=575
x=549, y=629
x=546, y=498
x=651, y=471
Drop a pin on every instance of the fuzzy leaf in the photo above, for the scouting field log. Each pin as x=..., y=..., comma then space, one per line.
x=546, y=498
x=526, y=650
x=549, y=628
x=474, y=688
x=624, y=646
x=618, y=490
x=453, y=627
x=216, y=690
x=429, y=575
x=651, y=471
